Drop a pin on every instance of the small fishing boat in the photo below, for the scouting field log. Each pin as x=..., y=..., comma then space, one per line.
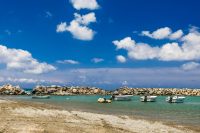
x=122, y=97
x=148, y=98
x=41, y=97
x=175, y=99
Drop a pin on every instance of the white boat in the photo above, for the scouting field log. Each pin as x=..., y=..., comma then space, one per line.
x=148, y=98
x=175, y=99
x=41, y=97
x=122, y=97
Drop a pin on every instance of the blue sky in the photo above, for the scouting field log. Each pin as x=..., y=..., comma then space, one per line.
x=100, y=43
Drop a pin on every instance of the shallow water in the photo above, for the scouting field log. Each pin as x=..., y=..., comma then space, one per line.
x=187, y=113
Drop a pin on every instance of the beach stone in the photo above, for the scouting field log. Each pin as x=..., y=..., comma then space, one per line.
x=101, y=100
x=96, y=91
x=108, y=101
x=74, y=90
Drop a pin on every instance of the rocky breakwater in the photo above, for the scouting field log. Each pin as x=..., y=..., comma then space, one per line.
x=157, y=91
x=11, y=90
x=60, y=90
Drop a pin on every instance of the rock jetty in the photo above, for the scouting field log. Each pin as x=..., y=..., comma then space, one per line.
x=58, y=90
x=8, y=89
x=77, y=90
x=73, y=90
x=157, y=91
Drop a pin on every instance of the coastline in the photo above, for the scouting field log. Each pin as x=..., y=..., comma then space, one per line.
x=18, y=116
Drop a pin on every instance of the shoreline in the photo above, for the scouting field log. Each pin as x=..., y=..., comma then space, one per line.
x=40, y=115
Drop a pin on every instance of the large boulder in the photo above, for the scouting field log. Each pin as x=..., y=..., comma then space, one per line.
x=96, y=91
x=103, y=100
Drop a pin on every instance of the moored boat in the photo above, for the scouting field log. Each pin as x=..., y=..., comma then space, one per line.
x=41, y=97
x=148, y=98
x=122, y=97
x=175, y=99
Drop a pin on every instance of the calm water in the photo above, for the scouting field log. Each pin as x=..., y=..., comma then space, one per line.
x=187, y=113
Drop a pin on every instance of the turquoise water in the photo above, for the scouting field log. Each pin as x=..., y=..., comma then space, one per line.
x=187, y=113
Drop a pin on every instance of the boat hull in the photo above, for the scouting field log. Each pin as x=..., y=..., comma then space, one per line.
x=123, y=98
x=40, y=97
x=175, y=99
x=148, y=99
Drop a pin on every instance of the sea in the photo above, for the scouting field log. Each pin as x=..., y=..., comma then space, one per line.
x=187, y=113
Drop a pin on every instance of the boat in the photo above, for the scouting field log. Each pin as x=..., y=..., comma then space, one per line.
x=122, y=97
x=175, y=99
x=41, y=97
x=148, y=98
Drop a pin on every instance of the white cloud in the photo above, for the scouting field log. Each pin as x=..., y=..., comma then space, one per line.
x=126, y=43
x=61, y=27
x=97, y=60
x=85, y=4
x=80, y=32
x=193, y=28
x=85, y=19
x=143, y=51
x=136, y=51
x=19, y=59
x=79, y=26
x=190, y=66
x=121, y=59
x=163, y=33
x=176, y=35
x=68, y=62
x=188, y=49
x=159, y=33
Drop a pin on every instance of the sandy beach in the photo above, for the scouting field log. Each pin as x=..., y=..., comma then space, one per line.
x=21, y=117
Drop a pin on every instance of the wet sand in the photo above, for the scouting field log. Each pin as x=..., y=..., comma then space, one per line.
x=23, y=117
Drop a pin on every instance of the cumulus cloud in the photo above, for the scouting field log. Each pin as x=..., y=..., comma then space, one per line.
x=163, y=33
x=97, y=60
x=126, y=43
x=176, y=35
x=85, y=19
x=187, y=49
x=85, y=4
x=136, y=50
x=79, y=26
x=190, y=66
x=80, y=32
x=121, y=58
x=19, y=59
x=68, y=62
